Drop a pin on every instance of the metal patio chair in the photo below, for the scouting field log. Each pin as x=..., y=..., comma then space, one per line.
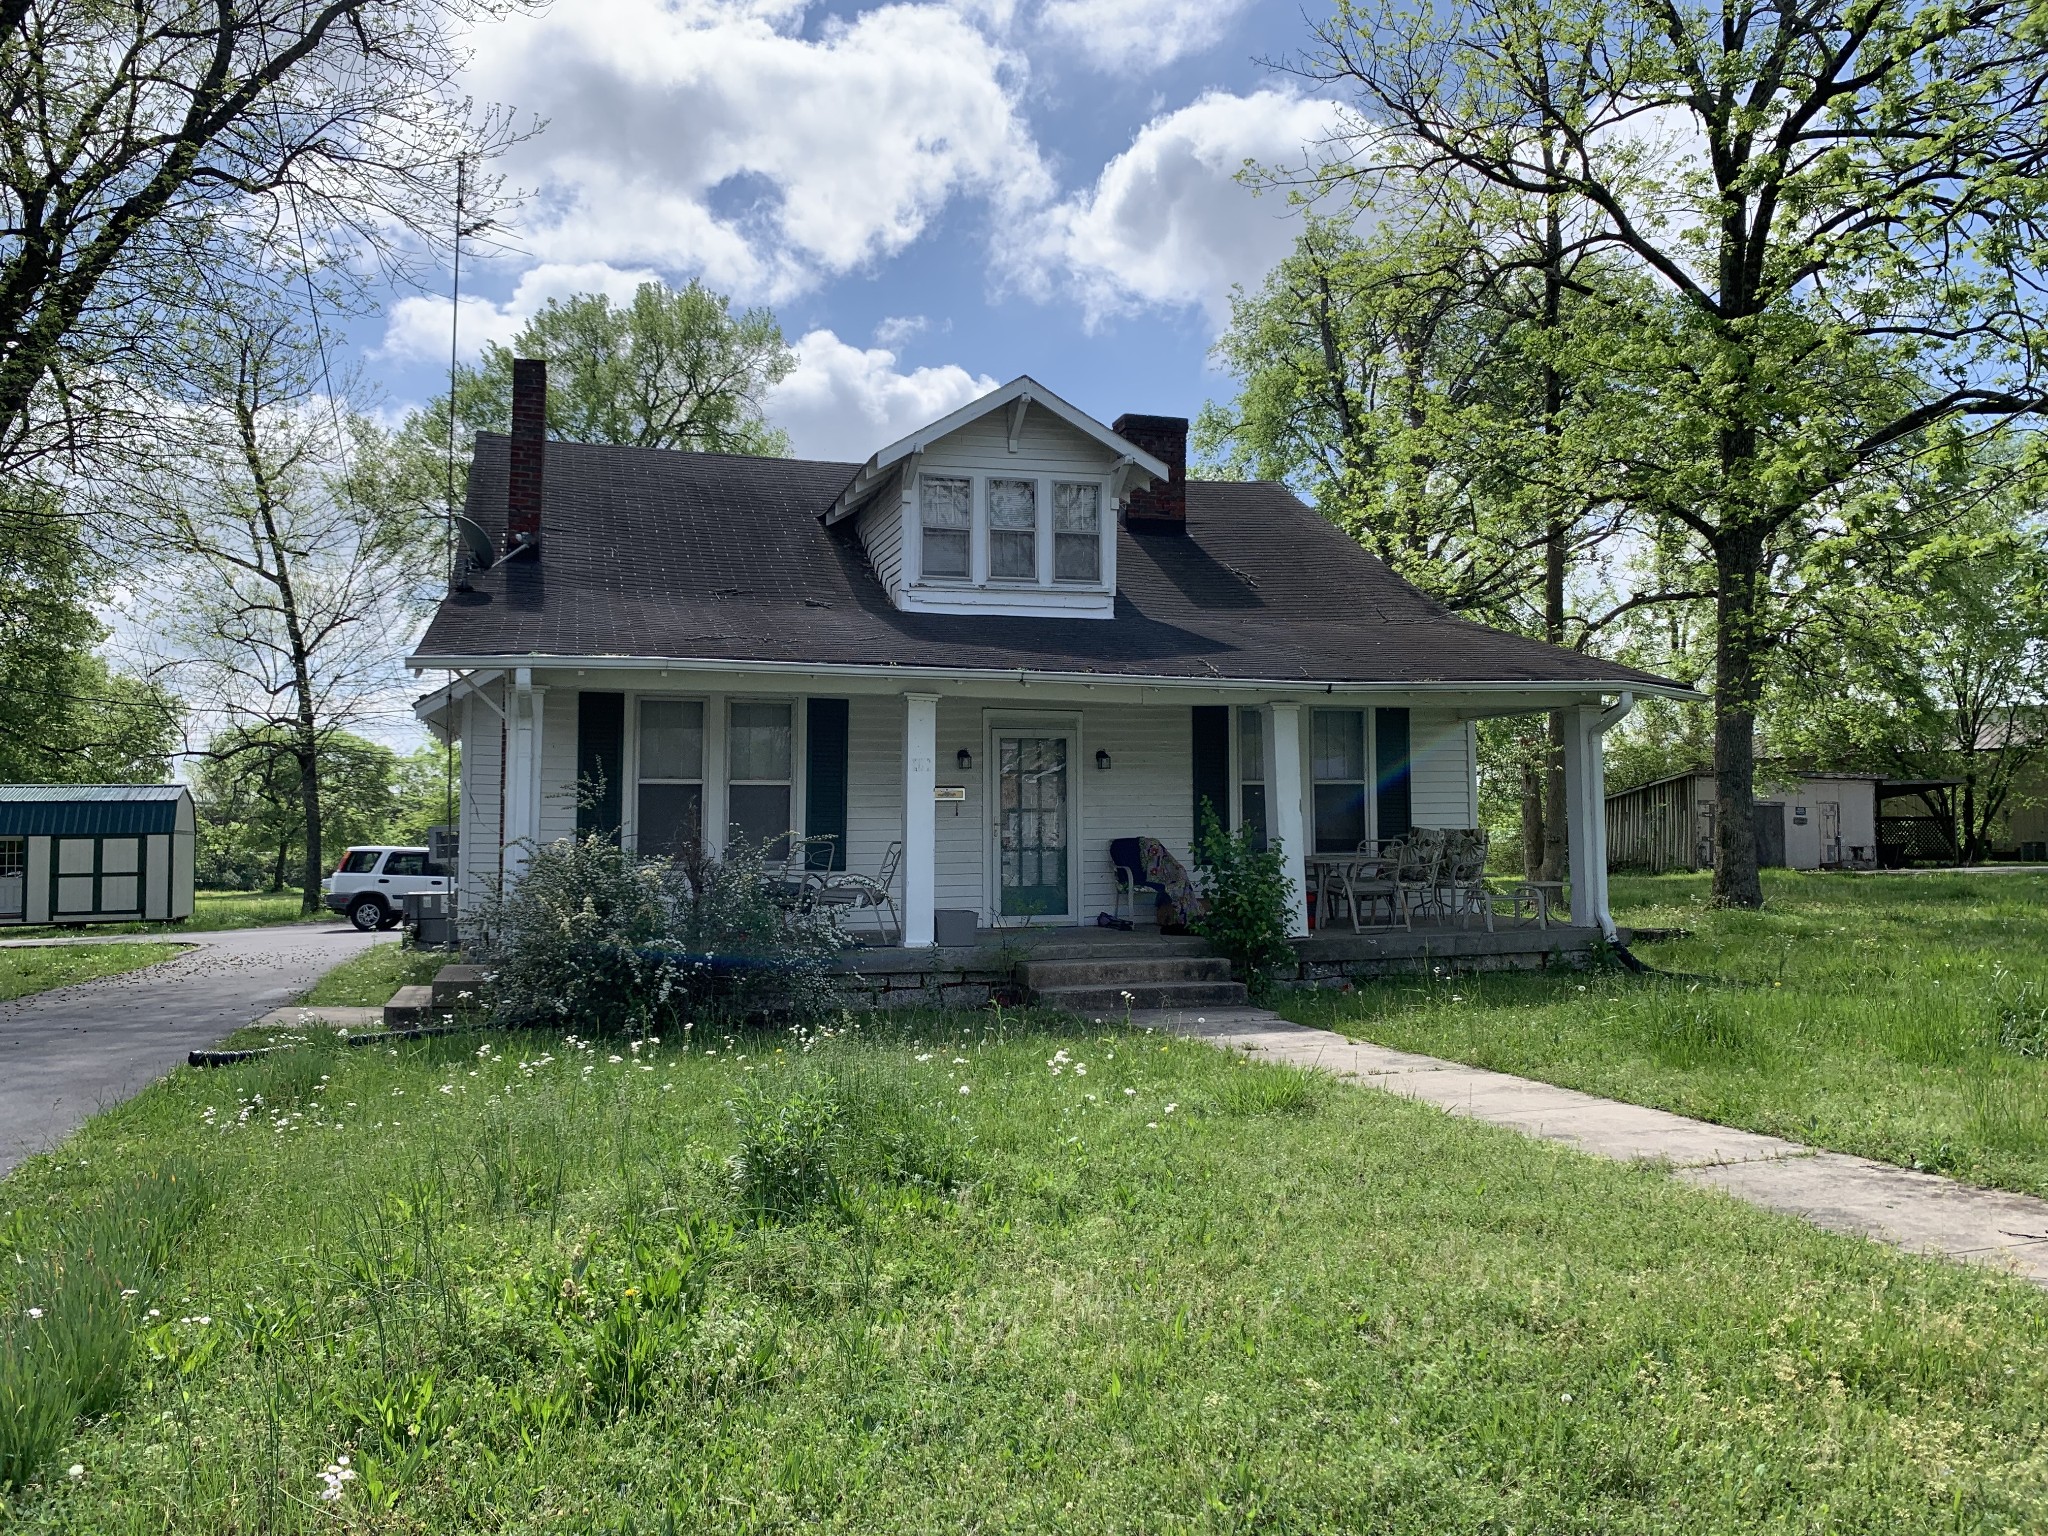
x=862, y=893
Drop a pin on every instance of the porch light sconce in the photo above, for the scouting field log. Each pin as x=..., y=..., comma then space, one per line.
x=1102, y=760
x=964, y=758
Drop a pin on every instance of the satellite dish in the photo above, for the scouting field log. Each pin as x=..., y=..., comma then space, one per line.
x=478, y=543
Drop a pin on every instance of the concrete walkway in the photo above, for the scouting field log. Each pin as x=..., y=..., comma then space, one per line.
x=1919, y=1212
x=71, y=1051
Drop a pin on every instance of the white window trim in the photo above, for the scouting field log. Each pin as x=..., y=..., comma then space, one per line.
x=1371, y=818
x=629, y=812
x=978, y=578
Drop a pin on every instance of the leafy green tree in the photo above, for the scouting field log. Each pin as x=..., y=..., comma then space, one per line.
x=1824, y=225
x=65, y=715
x=426, y=791
x=252, y=811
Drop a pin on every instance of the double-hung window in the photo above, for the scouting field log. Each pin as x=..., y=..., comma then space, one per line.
x=1251, y=773
x=1339, y=775
x=1012, y=530
x=1076, y=531
x=945, y=511
x=759, y=742
x=671, y=800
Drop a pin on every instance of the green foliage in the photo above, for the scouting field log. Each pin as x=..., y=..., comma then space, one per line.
x=599, y=939
x=1245, y=888
x=790, y=1146
x=73, y=1310
x=65, y=715
x=251, y=814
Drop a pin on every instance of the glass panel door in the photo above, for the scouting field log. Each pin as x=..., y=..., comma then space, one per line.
x=1031, y=825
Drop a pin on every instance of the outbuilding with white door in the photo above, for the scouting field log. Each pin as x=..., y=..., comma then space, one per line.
x=95, y=853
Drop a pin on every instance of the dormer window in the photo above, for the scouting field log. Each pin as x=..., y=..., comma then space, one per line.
x=946, y=510
x=1012, y=529
x=1076, y=531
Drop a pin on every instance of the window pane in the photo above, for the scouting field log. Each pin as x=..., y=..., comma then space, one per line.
x=407, y=864
x=1340, y=817
x=1076, y=508
x=360, y=861
x=1251, y=747
x=671, y=739
x=671, y=818
x=1077, y=556
x=944, y=502
x=760, y=814
x=1013, y=504
x=1252, y=812
x=1013, y=556
x=945, y=553
x=759, y=743
x=1339, y=744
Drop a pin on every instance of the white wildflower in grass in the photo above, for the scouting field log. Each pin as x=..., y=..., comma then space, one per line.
x=1565, y=1397
x=615, y=1060
x=335, y=1478
x=1171, y=1108
x=1130, y=1093
x=35, y=1312
x=1059, y=1062
x=1151, y=1125
x=924, y=1055
x=965, y=1089
x=1080, y=1069
x=78, y=1469
x=959, y=1061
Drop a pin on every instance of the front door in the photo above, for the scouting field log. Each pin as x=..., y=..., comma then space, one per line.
x=1830, y=833
x=1033, y=867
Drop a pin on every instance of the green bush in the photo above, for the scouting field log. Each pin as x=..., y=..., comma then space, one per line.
x=595, y=938
x=1245, y=887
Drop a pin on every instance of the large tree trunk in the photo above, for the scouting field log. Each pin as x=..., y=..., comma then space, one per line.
x=309, y=800
x=1556, y=853
x=1532, y=819
x=1738, y=657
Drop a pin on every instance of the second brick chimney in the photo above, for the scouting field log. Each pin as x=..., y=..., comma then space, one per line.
x=1163, y=507
x=529, y=452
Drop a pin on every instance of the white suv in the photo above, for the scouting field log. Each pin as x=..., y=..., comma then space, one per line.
x=366, y=885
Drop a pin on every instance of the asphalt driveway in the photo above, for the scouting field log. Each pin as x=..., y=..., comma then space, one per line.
x=71, y=1051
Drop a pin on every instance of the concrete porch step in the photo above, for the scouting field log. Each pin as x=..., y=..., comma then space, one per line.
x=409, y=1006
x=1105, y=1000
x=451, y=981
x=1121, y=971
x=1094, y=944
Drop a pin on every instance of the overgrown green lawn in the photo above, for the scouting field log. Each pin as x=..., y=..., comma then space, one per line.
x=23, y=971
x=975, y=1273
x=367, y=980
x=1898, y=1017
x=211, y=911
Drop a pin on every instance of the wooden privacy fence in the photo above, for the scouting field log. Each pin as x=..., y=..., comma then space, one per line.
x=1651, y=828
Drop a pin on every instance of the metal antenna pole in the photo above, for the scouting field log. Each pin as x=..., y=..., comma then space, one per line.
x=454, y=352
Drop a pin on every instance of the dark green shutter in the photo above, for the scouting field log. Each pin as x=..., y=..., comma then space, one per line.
x=1390, y=772
x=1211, y=758
x=825, y=778
x=600, y=762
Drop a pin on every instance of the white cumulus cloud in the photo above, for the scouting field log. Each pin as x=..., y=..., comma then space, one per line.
x=715, y=137
x=1167, y=221
x=844, y=401
x=416, y=327
x=1128, y=34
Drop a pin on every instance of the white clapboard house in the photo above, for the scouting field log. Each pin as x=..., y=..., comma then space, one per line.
x=1004, y=641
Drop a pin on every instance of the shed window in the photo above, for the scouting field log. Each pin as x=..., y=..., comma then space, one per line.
x=13, y=856
x=671, y=787
x=1338, y=771
x=945, y=509
x=759, y=743
x=1076, y=532
x=1013, y=530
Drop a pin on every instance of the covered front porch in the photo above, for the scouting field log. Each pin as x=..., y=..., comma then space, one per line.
x=990, y=803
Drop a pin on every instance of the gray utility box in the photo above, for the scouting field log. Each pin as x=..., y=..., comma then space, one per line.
x=431, y=916
x=953, y=928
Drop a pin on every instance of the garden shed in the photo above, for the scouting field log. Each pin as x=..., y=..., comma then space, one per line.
x=95, y=853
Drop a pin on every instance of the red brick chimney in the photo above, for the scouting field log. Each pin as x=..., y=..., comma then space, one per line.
x=529, y=452
x=1164, y=507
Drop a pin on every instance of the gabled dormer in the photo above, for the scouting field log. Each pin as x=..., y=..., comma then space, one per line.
x=1007, y=506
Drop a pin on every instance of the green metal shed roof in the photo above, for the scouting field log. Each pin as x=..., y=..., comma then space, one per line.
x=89, y=810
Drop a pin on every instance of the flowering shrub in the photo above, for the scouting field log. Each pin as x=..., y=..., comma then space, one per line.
x=598, y=939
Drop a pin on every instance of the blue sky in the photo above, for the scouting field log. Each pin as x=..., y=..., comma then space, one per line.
x=933, y=197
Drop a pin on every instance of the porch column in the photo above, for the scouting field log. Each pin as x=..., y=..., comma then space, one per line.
x=1585, y=792
x=920, y=826
x=1286, y=821
x=522, y=772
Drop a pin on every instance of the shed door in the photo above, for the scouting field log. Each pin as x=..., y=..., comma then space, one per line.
x=97, y=875
x=1770, y=834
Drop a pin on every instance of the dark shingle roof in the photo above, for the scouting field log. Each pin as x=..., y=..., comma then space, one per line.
x=715, y=556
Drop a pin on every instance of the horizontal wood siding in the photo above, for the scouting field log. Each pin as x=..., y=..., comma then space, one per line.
x=558, y=765
x=1148, y=791
x=483, y=755
x=1441, y=770
x=961, y=829
x=1047, y=445
x=874, y=788
x=881, y=534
